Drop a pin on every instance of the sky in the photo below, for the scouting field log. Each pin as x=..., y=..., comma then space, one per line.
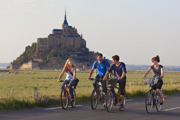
x=136, y=30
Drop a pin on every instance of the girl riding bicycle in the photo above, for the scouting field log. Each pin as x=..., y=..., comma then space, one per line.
x=158, y=70
x=70, y=70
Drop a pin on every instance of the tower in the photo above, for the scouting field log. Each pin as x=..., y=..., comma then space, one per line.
x=65, y=24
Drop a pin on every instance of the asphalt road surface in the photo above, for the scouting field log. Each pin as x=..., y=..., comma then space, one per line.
x=135, y=110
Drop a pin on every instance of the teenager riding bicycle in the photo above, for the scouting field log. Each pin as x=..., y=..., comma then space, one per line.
x=70, y=71
x=102, y=66
x=158, y=70
x=119, y=72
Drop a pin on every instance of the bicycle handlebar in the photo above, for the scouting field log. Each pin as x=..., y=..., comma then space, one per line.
x=150, y=81
x=61, y=81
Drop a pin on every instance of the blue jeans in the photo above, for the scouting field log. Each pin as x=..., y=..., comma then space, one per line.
x=71, y=84
x=95, y=83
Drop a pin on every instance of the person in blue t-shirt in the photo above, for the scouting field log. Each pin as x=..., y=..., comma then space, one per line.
x=119, y=69
x=102, y=66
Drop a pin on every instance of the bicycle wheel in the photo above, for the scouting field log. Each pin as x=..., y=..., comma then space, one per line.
x=64, y=99
x=158, y=105
x=73, y=103
x=149, y=102
x=109, y=101
x=94, y=100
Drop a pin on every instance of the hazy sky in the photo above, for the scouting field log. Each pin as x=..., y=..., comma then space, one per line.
x=136, y=30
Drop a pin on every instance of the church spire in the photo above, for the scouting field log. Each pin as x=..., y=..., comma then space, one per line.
x=65, y=19
x=65, y=15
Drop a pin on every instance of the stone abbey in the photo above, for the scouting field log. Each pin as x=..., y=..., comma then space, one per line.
x=51, y=52
x=67, y=37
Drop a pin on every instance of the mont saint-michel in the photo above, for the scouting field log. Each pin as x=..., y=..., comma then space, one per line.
x=52, y=51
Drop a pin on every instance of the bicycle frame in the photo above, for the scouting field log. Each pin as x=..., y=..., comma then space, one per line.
x=112, y=88
x=67, y=92
x=99, y=91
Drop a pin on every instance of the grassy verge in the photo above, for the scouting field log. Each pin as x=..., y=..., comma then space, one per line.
x=26, y=89
x=15, y=104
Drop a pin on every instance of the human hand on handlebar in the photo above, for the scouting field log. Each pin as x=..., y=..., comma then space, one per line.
x=105, y=78
x=119, y=78
x=144, y=76
x=58, y=80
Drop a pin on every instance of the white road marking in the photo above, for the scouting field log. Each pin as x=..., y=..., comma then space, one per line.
x=54, y=108
x=129, y=100
x=172, y=109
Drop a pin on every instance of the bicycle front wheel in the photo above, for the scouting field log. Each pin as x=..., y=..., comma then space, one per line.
x=73, y=103
x=94, y=100
x=109, y=101
x=64, y=99
x=149, y=102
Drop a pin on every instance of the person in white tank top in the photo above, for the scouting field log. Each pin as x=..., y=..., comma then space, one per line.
x=70, y=76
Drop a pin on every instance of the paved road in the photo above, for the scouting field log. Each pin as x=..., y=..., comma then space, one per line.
x=135, y=110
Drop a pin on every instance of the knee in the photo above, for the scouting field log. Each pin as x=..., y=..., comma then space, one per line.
x=157, y=89
x=122, y=92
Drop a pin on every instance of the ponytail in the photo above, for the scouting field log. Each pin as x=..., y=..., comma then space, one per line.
x=156, y=58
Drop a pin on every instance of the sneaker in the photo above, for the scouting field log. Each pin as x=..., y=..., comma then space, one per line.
x=104, y=105
x=121, y=108
x=161, y=103
x=115, y=103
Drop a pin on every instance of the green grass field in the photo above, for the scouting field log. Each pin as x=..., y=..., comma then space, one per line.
x=22, y=85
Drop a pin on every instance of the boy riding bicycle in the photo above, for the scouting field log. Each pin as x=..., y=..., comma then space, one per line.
x=102, y=66
x=119, y=72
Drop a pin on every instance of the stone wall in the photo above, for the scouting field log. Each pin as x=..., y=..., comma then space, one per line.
x=14, y=66
x=29, y=65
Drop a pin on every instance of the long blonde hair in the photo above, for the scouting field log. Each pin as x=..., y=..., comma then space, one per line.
x=67, y=67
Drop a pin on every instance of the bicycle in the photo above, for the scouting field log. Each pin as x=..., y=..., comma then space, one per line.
x=111, y=95
x=97, y=95
x=152, y=99
x=65, y=96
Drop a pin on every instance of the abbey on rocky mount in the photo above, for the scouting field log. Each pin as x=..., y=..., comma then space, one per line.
x=67, y=37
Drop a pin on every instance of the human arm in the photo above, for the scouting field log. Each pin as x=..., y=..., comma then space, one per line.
x=122, y=76
x=90, y=73
x=106, y=75
x=124, y=72
x=108, y=71
x=162, y=72
x=107, y=65
x=147, y=72
x=62, y=73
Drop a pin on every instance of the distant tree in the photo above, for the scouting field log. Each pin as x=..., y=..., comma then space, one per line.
x=53, y=53
x=27, y=54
